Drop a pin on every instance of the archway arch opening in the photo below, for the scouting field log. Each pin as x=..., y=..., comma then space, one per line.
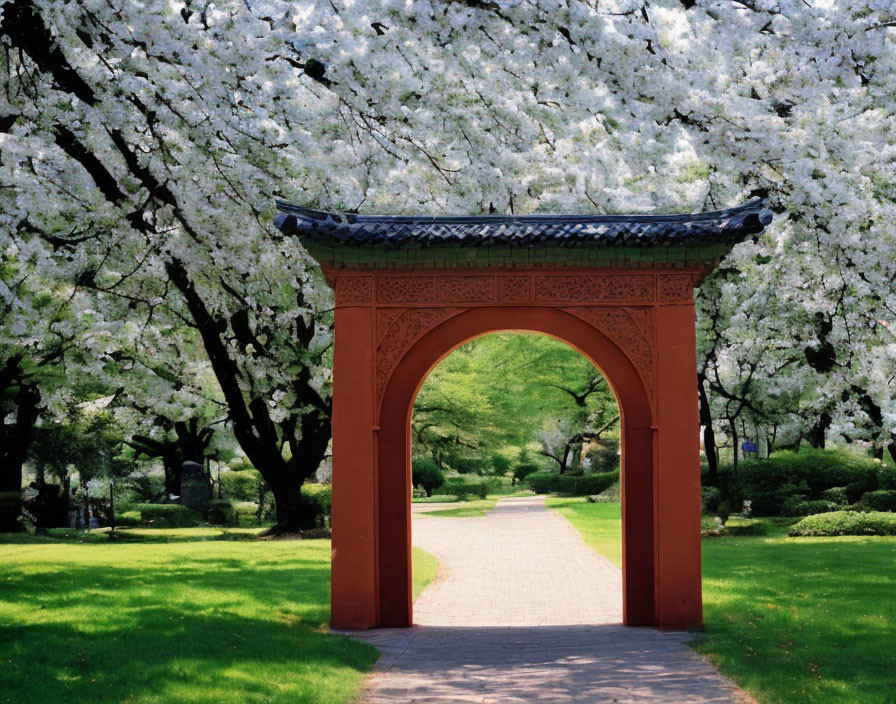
x=394, y=576
x=497, y=413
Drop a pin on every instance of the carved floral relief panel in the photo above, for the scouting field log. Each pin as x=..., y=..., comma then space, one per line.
x=435, y=289
x=632, y=329
x=676, y=287
x=398, y=337
x=595, y=288
x=354, y=290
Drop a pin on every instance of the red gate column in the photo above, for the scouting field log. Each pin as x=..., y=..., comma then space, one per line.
x=353, y=589
x=679, y=602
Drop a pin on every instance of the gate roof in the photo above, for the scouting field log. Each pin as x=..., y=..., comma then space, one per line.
x=351, y=240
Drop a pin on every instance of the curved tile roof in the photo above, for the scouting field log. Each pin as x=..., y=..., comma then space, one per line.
x=333, y=229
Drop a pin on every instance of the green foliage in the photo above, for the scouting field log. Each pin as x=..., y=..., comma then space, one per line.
x=880, y=500
x=796, y=506
x=471, y=465
x=317, y=508
x=163, y=515
x=426, y=475
x=465, y=487
x=221, y=512
x=847, y=523
x=710, y=498
x=605, y=457
x=555, y=483
x=495, y=392
x=241, y=485
x=145, y=488
x=524, y=466
x=836, y=494
x=775, y=485
x=500, y=464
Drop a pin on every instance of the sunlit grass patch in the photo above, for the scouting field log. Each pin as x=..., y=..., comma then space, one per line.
x=789, y=619
x=184, y=615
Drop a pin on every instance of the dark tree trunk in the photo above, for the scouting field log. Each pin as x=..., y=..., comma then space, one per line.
x=734, y=441
x=709, y=435
x=819, y=430
x=14, y=441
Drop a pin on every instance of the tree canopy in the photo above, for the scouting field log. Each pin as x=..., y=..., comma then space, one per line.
x=142, y=146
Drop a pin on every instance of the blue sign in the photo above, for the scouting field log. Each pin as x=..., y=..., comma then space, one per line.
x=748, y=446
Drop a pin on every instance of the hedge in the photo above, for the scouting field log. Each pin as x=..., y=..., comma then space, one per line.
x=555, y=483
x=465, y=487
x=846, y=523
x=787, y=478
x=882, y=500
x=160, y=516
x=241, y=485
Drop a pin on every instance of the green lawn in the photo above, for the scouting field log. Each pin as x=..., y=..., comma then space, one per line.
x=468, y=509
x=199, y=615
x=599, y=524
x=790, y=619
x=424, y=568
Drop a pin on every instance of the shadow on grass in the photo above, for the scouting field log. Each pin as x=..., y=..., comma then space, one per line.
x=132, y=535
x=181, y=622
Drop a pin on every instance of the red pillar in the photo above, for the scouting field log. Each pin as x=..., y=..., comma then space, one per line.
x=353, y=587
x=678, y=595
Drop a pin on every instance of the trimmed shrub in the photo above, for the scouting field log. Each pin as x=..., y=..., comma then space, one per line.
x=881, y=500
x=426, y=475
x=612, y=494
x=846, y=523
x=221, y=513
x=555, y=483
x=795, y=506
x=471, y=465
x=317, y=508
x=804, y=476
x=164, y=515
x=128, y=519
x=836, y=494
x=465, y=487
x=523, y=470
x=241, y=485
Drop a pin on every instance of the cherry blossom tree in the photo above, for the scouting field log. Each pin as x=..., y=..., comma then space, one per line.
x=143, y=145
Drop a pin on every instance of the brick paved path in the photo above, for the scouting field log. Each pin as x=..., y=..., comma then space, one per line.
x=523, y=611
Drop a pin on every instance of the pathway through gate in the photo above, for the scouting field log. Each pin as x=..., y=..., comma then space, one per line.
x=524, y=611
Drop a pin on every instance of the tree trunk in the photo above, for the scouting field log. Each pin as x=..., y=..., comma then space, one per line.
x=14, y=441
x=734, y=440
x=709, y=435
x=819, y=429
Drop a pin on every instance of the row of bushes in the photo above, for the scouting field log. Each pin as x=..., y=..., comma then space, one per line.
x=581, y=485
x=316, y=500
x=846, y=523
x=810, y=481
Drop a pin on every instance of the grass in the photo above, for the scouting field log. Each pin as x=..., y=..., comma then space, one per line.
x=599, y=524
x=424, y=568
x=193, y=616
x=790, y=619
x=469, y=509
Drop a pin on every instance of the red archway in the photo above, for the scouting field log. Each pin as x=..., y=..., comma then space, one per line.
x=408, y=291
